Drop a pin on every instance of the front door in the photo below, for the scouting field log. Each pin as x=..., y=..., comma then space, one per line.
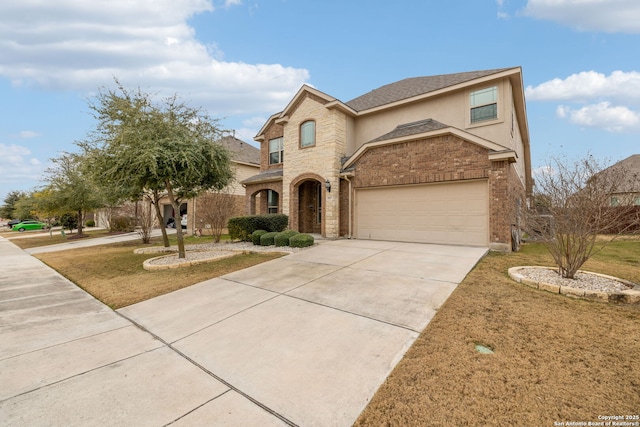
x=310, y=207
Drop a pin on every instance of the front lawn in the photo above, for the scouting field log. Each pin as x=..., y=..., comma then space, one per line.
x=556, y=359
x=114, y=274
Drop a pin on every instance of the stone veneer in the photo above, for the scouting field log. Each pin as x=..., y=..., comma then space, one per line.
x=318, y=163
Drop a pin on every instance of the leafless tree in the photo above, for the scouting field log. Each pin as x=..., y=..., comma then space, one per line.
x=574, y=202
x=146, y=220
x=216, y=209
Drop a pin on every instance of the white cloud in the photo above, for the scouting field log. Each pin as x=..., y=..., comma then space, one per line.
x=602, y=115
x=80, y=45
x=599, y=101
x=619, y=85
x=589, y=15
x=27, y=134
x=18, y=165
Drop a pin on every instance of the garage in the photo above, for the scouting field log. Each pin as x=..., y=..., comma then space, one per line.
x=451, y=213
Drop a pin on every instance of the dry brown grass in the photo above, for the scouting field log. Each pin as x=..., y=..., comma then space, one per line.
x=556, y=359
x=44, y=239
x=114, y=274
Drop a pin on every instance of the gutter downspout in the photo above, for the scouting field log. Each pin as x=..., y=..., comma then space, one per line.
x=346, y=176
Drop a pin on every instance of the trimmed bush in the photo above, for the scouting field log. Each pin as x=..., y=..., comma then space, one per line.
x=267, y=239
x=241, y=227
x=90, y=223
x=282, y=238
x=301, y=240
x=255, y=236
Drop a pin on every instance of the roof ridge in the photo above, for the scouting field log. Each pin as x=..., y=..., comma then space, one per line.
x=414, y=86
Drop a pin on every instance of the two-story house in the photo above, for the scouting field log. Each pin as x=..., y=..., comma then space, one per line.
x=438, y=159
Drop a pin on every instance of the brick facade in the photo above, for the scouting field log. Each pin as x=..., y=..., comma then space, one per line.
x=441, y=159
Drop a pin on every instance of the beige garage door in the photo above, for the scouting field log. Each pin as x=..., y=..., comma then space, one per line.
x=437, y=213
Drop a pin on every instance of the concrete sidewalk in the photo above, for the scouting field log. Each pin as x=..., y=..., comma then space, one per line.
x=96, y=241
x=302, y=340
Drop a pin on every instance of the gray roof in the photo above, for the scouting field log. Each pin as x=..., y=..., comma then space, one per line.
x=412, y=128
x=240, y=151
x=264, y=176
x=414, y=86
x=631, y=168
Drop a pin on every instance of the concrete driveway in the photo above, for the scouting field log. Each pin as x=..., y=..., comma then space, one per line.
x=302, y=340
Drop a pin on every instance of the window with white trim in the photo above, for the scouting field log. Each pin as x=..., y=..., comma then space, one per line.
x=276, y=150
x=484, y=104
x=308, y=134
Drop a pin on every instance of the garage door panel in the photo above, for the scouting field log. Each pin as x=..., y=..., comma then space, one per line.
x=455, y=213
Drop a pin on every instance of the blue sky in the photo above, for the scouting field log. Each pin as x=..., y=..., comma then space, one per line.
x=243, y=60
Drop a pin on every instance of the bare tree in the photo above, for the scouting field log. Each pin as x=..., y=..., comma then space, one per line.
x=146, y=220
x=216, y=209
x=573, y=203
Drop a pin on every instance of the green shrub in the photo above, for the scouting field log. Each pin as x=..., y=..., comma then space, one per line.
x=267, y=239
x=90, y=223
x=69, y=221
x=255, y=236
x=301, y=240
x=282, y=238
x=121, y=224
x=241, y=227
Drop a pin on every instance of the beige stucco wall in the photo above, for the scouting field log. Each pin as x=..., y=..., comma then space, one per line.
x=242, y=172
x=451, y=109
x=323, y=159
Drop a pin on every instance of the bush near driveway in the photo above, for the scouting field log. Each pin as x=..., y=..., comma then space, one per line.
x=255, y=236
x=240, y=228
x=268, y=239
x=301, y=240
x=282, y=239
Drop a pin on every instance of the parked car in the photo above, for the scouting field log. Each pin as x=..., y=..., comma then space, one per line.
x=13, y=222
x=29, y=225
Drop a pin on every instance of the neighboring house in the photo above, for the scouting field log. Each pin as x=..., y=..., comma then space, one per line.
x=245, y=160
x=629, y=191
x=440, y=159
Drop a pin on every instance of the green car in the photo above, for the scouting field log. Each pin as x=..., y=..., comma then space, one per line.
x=29, y=225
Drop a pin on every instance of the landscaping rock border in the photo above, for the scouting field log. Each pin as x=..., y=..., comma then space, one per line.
x=589, y=286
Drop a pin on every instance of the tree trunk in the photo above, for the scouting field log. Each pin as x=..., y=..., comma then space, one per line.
x=80, y=223
x=176, y=208
x=163, y=229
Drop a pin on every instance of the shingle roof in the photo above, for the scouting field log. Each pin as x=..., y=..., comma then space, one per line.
x=240, y=150
x=631, y=167
x=412, y=128
x=414, y=86
x=268, y=175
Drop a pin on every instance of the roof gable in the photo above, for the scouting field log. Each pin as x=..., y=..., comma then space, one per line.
x=415, y=86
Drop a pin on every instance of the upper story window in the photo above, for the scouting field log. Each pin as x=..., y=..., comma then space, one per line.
x=484, y=104
x=276, y=150
x=308, y=134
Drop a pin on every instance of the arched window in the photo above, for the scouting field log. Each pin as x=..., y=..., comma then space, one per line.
x=308, y=134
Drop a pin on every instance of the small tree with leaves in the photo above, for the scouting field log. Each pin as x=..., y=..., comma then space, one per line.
x=571, y=207
x=7, y=210
x=165, y=146
x=72, y=188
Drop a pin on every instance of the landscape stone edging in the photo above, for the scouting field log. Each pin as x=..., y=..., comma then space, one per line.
x=629, y=296
x=147, y=264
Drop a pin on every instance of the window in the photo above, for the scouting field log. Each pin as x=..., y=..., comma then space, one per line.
x=272, y=202
x=308, y=134
x=484, y=104
x=275, y=151
x=615, y=201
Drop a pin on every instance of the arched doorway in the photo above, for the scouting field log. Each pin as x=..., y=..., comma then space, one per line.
x=310, y=206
